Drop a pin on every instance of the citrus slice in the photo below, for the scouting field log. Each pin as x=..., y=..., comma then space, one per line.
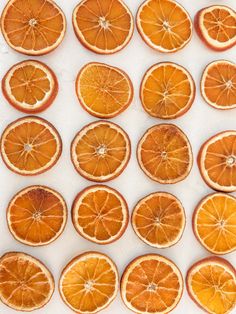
x=151, y=284
x=30, y=86
x=159, y=220
x=214, y=223
x=164, y=25
x=30, y=146
x=100, y=151
x=167, y=90
x=89, y=283
x=104, y=27
x=165, y=154
x=26, y=284
x=217, y=161
x=216, y=26
x=104, y=91
x=33, y=27
x=211, y=284
x=100, y=214
x=218, y=84
x=36, y=215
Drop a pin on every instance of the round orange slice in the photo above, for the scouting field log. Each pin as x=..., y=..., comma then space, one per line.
x=217, y=161
x=151, y=284
x=37, y=215
x=30, y=146
x=159, y=220
x=30, y=86
x=89, y=283
x=100, y=214
x=104, y=91
x=104, y=27
x=100, y=151
x=34, y=27
x=26, y=284
x=167, y=90
x=214, y=223
x=164, y=25
x=211, y=284
x=218, y=84
x=165, y=154
x=215, y=25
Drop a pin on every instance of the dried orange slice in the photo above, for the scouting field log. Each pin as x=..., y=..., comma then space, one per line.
x=100, y=151
x=104, y=27
x=34, y=27
x=36, y=215
x=164, y=25
x=104, y=91
x=165, y=154
x=159, y=220
x=151, y=284
x=89, y=283
x=30, y=86
x=211, y=284
x=100, y=214
x=217, y=161
x=25, y=282
x=167, y=90
x=214, y=223
x=30, y=146
x=218, y=84
x=216, y=26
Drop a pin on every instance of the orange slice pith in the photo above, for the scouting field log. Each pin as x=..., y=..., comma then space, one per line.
x=167, y=90
x=165, y=154
x=34, y=27
x=151, y=284
x=104, y=91
x=100, y=151
x=30, y=146
x=37, y=215
x=218, y=84
x=164, y=25
x=211, y=284
x=217, y=161
x=216, y=26
x=104, y=27
x=30, y=86
x=100, y=214
x=93, y=278
x=25, y=283
x=159, y=220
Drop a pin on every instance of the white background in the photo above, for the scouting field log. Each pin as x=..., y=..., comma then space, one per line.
x=199, y=123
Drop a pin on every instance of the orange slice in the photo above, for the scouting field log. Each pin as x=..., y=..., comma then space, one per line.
x=37, y=215
x=164, y=25
x=165, y=154
x=100, y=214
x=104, y=27
x=159, y=220
x=151, y=284
x=34, y=27
x=104, y=91
x=217, y=161
x=26, y=284
x=214, y=223
x=216, y=26
x=30, y=146
x=167, y=90
x=93, y=278
x=30, y=86
x=218, y=84
x=100, y=151
x=211, y=284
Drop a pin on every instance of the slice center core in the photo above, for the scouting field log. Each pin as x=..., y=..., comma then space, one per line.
x=103, y=22
x=231, y=160
x=33, y=22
